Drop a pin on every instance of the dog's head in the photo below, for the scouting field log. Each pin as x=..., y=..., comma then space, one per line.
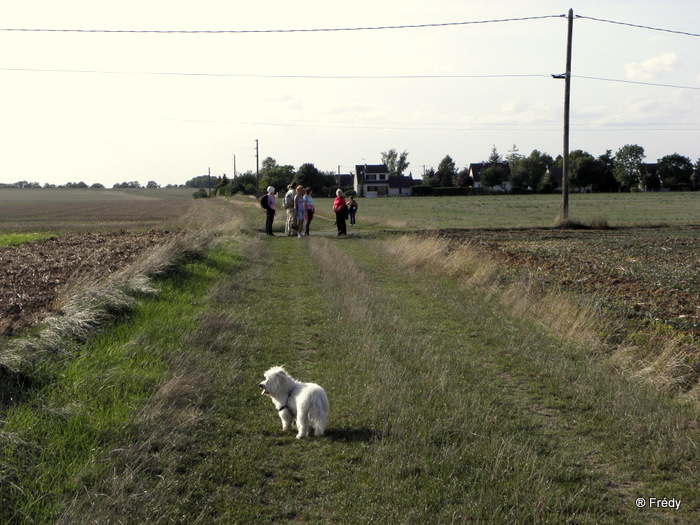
x=276, y=380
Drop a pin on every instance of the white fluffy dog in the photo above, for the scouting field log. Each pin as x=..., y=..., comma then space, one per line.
x=305, y=402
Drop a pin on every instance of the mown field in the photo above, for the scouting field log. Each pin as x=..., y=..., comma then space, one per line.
x=475, y=375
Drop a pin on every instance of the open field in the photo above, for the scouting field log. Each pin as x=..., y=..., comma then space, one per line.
x=475, y=376
x=518, y=211
x=70, y=210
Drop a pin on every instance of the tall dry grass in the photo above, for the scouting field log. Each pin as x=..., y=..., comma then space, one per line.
x=87, y=304
x=577, y=320
x=665, y=360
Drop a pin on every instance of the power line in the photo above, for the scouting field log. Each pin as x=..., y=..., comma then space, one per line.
x=238, y=75
x=339, y=77
x=335, y=29
x=638, y=26
x=636, y=82
x=254, y=31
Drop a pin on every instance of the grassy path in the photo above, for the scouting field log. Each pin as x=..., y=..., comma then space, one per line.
x=453, y=412
x=444, y=409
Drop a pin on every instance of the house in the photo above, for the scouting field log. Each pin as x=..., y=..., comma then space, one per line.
x=475, y=173
x=373, y=180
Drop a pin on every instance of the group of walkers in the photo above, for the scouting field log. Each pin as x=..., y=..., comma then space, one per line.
x=299, y=205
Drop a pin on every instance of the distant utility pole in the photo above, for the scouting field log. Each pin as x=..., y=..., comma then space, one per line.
x=567, y=103
x=234, y=166
x=209, y=182
x=257, y=167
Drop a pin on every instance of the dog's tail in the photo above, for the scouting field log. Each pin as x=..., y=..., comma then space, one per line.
x=318, y=413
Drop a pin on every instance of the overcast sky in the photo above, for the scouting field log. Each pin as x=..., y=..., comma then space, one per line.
x=111, y=107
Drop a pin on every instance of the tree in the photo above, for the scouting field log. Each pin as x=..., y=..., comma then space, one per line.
x=154, y=184
x=675, y=171
x=514, y=159
x=202, y=181
x=309, y=176
x=629, y=166
x=272, y=174
x=584, y=169
x=222, y=187
x=446, y=172
x=492, y=175
x=136, y=185
x=396, y=162
x=607, y=181
x=495, y=157
x=430, y=178
x=244, y=183
x=531, y=169
x=464, y=179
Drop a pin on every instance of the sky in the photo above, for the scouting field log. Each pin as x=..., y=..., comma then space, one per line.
x=130, y=101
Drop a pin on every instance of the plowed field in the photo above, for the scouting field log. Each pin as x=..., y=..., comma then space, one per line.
x=649, y=274
x=32, y=274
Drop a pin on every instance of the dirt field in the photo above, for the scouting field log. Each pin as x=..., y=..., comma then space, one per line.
x=32, y=274
x=648, y=274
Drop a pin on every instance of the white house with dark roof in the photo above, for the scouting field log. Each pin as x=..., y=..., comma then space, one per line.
x=373, y=180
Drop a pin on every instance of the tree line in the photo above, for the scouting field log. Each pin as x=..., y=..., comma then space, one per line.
x=23, y=184
x=271, y=173
x=623, y=171
x=626, y=170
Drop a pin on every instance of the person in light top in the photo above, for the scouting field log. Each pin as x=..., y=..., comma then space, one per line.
x=300, y=210
x=310, y=209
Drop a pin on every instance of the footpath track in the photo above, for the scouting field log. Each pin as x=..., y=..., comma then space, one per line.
x=448, y=408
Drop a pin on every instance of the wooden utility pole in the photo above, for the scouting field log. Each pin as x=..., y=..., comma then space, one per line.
x=564, y=216
x=257, y=168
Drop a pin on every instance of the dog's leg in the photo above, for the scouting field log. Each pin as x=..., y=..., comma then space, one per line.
x=302, y=424
x=286, y=418
x=319, y=427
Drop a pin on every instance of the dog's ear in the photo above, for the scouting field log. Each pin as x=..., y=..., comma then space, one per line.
x=285, y=379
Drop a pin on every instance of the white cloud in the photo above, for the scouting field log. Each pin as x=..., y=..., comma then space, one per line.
x=652, y=67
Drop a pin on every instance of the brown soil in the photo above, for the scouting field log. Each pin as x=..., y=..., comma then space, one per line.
x=32, y=274
x=649, y=274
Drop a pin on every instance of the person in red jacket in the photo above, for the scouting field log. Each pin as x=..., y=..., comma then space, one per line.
x=341, y=212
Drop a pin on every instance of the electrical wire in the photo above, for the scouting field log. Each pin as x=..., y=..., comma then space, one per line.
x=636, y=82
x=253, y=31
x=309, y=77
x=339, y=77
x=637, y=26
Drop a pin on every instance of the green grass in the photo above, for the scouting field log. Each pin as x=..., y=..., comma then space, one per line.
x=511, y=211
x=14, y=239
x=445, y=407
x=84, y=403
